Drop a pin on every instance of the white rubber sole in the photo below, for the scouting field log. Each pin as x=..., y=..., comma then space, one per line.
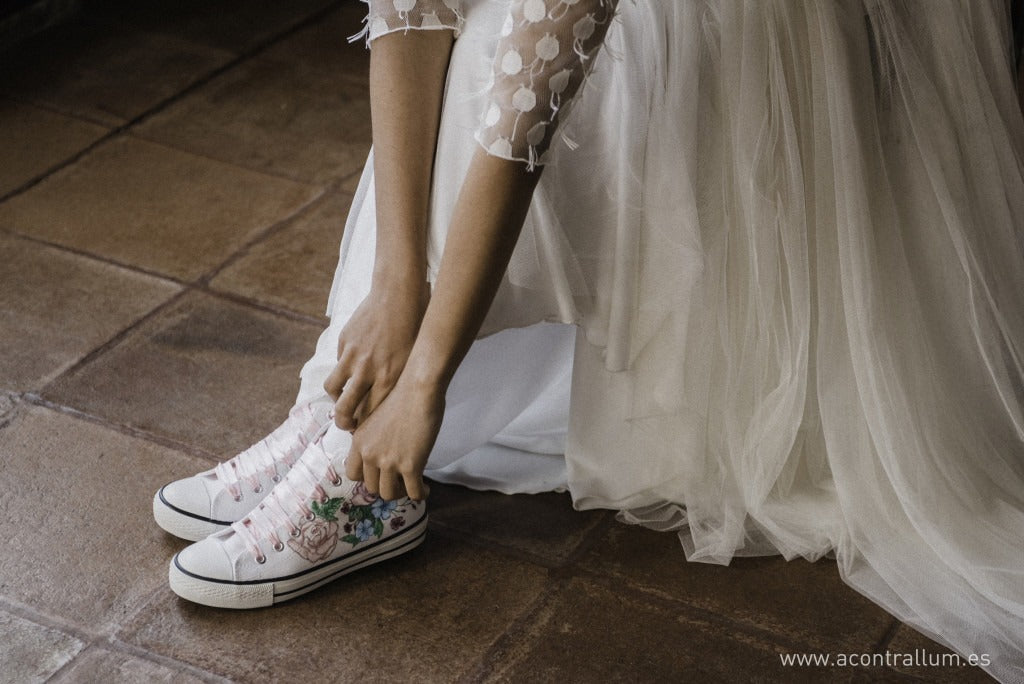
x=260, y=594
x=180, y=524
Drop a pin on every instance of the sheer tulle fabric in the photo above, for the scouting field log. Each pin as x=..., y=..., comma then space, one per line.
x=808, y=293
x=790, y=238
x=545, y=50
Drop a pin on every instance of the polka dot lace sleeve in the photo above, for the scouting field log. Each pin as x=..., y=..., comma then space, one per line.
x=545, y=50
x=388, y=16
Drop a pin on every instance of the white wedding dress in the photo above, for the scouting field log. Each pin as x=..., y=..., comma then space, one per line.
x=789, y=234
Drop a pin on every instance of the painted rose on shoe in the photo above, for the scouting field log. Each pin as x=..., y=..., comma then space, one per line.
x=326, y=524
x=318, y=537
x=366, y=513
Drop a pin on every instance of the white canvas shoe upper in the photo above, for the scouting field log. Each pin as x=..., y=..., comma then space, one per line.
x=314, y=526
x=196, y=506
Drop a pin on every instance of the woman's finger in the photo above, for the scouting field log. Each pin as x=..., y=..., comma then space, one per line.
x=354, y=464
x=375, y=396
x=335, y=382
x=345, y=407
x=391, y=486
x=371, y=478
x=414, y=486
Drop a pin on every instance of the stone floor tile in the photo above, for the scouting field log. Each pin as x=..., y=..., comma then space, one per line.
x=32, y=653
x=351, y=183
x=319, y=44
x=930, y=661
x=99, y=664
x=803, y=602
x=294, y=268
x=593, y=633
x=544, y=525
x=154, y=207
x=34, y=140
x=102, y=72
x=286, y=111
x=205, y=372
x=7, y=403
x=76, y=508
x=56, y=306
x=426, y=617
x=235, y=25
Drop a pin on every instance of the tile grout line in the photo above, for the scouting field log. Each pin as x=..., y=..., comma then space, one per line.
x=134, y=268
x=446, y=531
x=692, y=611
x=564, y=572
x=116, y=339
x=270, y=173
x=589, y=540
x=321, y=198
x=883, y=644
x=115, y=643
x=289, y=314
x=50, y=108
x=556, y=565
x=256, y=49
x=573, y=568
x=178, y=666
x=499, y=651
x=120, y=646
x=160, y=440
x=48, y=620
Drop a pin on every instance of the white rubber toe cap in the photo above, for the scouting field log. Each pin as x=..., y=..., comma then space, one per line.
x=207, y=559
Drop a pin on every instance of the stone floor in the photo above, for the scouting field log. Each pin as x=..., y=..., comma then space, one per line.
x=169, y=174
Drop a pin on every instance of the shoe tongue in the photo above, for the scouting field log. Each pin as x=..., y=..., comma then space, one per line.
x=337, y=442
x=234, y=546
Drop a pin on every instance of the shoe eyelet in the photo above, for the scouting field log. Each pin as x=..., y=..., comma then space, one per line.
x=276, y=478
x=295, y=532
x=279, y=546
x=261, y=559
x=238, y=498
x=258, y=489
x=337, y=483
x=310, y=516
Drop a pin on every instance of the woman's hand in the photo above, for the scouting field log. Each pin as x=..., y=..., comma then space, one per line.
x=390, y=448
x=372, y=351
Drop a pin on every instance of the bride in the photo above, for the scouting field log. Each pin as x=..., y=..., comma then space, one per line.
x=749, y=272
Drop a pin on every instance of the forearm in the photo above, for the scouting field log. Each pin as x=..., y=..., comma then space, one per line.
x=407, y=76
x=486, y=223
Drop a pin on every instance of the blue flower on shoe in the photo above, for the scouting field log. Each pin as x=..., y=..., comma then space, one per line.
x=381, y=509
x=364, y=530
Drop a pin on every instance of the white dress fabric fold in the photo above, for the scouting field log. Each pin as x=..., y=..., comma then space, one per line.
x=790, y=235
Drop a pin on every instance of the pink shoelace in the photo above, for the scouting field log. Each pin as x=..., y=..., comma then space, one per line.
x=282, y=447
x=289, y=501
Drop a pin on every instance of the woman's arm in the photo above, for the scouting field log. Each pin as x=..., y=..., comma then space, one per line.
x=407, y=76
x=390, y=449
x=539, y=64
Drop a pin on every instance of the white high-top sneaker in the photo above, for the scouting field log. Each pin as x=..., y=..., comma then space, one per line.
x=197, y=506
x=315, y=526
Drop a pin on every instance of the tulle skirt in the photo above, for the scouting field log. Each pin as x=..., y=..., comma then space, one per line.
x=789, y=234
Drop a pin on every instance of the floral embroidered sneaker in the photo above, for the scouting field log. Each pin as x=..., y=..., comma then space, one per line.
x=198, y=506
x=315, y=526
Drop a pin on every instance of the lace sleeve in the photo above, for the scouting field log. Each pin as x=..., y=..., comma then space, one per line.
x=388, y=16
x=545, y=50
